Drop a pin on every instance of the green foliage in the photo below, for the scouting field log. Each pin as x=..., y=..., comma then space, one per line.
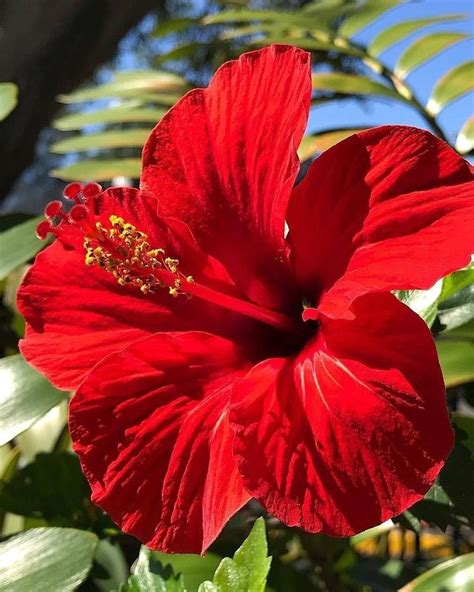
x=46, y=560
x=18, y=245
x=248, y=570
x=8, y=98
x=62, y=501
x=455, y=574
x=457, y=82
x=26, y=397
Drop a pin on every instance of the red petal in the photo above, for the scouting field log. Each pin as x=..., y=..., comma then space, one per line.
x=77, y=314
x=353, y=430
x=389, y=208
x=150, y=426
x=224, y=161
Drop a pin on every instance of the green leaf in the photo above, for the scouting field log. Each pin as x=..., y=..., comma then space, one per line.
x=100, y=170
x=194, y=569
x=424, y=49
x=130, y=86
x=323, y=140
x=109, y=139
x=26, y=396
x=123, y=114
x=8, y=98
x=168, y=26
x=248, y=16
x=452, y=85
x=457, y=310
x=457, y=360
x=248, y=570
x=366, y=15
x=49, y=559
x=311, y=44
x=400, y=31
x=339, y=82
x=465, y=139
x=149, y=577
x=455, y=574
x=18, y=245
x=62, y=501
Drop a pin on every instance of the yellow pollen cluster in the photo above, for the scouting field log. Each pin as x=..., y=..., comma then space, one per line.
x=125, y=252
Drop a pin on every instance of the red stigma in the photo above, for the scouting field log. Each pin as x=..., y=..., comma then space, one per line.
x=78, y=213
x=72, y=191
x=91, y=190
x=53, y=208
x=43, y=229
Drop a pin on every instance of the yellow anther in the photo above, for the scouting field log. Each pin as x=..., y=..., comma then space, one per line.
x=124, y=251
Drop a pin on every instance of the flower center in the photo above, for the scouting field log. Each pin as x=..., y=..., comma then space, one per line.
x=125, y=252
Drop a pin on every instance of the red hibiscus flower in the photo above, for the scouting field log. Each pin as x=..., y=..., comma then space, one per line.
x=216, y=360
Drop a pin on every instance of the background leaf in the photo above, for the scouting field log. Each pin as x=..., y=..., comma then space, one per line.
x=46, y=560
x=456, y=575
x=26, y=396
x=452, y=85
x=8, y=98
x=18, y=245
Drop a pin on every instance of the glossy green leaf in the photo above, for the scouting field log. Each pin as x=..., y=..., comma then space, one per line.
x=122, y=114
x=46, y=559
x=18, y=245
x=424, y=49
x=366, y=15
x=457, y=281
x=248, y=570
x=129, y=87
x=100, y=170
x=193, y=568
x=452, y=85
x=465, y=139
x=248, y=16
x=25, y=397
x=457, y=310
x=315, y=143
x=456, y=575
x=148, y=577
x=352, y=84
x=400, y=31
x=63, y=500
x=456, y=355
x=110, y=139
x=8, y=98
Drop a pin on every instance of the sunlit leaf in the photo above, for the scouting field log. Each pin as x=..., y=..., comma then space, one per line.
x=424, y=49
x=455, y=574
x=176, y=25
x=457, y=309
x=323, y=140
x=423, y=302
x=365, y=15
x=49, y=559
x=248, y=570
x=452, y=85
x=312, y=44
x=246, y=16
x=100, y=170
x=121, y=114
x=110, y=139
x=456, y=354
x=18, y=245
x=129, y=87
x=25, y=397
x=8, y=98
x=465, y=139
x=339, y=82
x=400, y=31
x=194, y=568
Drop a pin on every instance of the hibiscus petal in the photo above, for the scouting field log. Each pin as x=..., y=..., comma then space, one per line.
x=150, y=426
x=224, y=161
x=389, y=208
x=350, y=432
x=77, y=314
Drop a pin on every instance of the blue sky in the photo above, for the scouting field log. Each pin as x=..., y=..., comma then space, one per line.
x=421, y=80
